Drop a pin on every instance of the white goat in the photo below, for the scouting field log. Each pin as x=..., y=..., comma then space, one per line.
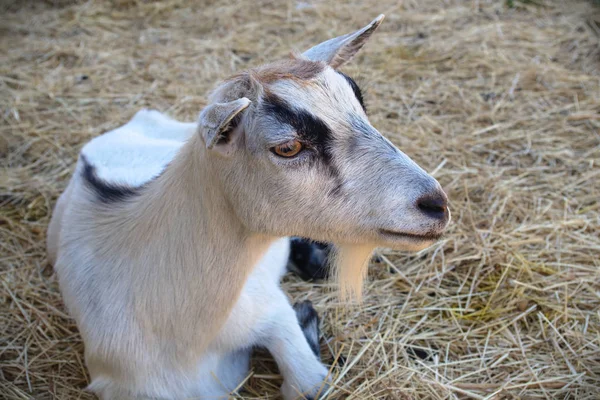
x=171, y=238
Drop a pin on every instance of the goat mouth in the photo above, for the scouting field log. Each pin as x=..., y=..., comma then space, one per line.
x=428, y=237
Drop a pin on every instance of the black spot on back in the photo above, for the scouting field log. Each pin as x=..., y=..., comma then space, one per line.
x=311, y=129
x=106, y=192
x=355, y=89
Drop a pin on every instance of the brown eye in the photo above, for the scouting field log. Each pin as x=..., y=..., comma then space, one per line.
x=289, y=149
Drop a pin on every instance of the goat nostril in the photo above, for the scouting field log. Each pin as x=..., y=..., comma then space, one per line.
x=434, y=206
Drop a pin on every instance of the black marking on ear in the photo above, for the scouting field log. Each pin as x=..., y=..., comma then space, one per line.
x=355, y=89
x=310, y=129
x=308, y=318
x=106, y=192
x=225, y=134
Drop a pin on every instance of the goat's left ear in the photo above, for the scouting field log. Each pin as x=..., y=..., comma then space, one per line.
x=218, y=122
x=337, y=51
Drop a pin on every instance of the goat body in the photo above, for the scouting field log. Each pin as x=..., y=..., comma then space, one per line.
x=129, y=355
x=171, y=238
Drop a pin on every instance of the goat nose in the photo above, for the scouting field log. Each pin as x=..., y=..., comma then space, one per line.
x=434, y=205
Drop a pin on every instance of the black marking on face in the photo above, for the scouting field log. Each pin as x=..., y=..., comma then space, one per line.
x=106, y=192
x=355, y=89
x=310, y=129
x=308, y=318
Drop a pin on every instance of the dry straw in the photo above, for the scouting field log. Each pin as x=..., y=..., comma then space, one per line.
x=502, y=103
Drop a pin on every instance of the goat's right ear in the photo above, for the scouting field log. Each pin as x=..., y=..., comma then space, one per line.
x=218, y=122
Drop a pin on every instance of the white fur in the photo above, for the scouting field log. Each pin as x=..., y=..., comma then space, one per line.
x=138, y=151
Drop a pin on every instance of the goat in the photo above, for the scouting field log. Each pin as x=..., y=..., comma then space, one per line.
x=171, y=238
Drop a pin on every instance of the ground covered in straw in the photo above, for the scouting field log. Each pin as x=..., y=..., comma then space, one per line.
x=501, y=100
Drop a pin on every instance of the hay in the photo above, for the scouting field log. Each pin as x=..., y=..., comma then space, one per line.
x=502, y=103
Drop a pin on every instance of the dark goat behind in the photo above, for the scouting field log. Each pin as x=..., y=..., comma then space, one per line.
x=309, y=259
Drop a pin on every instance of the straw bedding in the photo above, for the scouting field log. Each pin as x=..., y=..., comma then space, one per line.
x=500, y=100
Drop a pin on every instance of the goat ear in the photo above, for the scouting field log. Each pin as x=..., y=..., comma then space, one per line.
x=218, y=121
x=339, y=50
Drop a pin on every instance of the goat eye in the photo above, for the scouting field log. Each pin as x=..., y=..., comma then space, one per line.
x=289, y=149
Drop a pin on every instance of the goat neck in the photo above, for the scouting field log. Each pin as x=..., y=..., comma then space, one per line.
x=193, y=253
